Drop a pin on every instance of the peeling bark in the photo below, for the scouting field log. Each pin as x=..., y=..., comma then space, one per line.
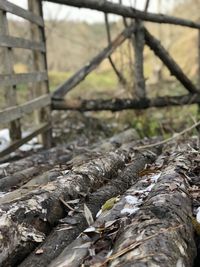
x=59, y=239
x=157, y=231
x=33, y=214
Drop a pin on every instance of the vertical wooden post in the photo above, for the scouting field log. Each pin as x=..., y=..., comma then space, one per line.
x=40, y=64
x=139, y=42
x=8, y=68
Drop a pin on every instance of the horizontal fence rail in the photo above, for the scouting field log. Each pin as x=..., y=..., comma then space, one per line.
x=21, y=78
x=13, y=113
x=14, y=42
x=21, y=12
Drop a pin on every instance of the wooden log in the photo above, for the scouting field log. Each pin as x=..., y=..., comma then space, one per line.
x=40, y=174
x=59, y=239
x=127, y=11
x=54, y=156
x=150, y=225
x=18, y=178
x=170, y=63
x=83, y=72
x=120, y=104
x=161, y=233
x=25, y=221
x=139, y=90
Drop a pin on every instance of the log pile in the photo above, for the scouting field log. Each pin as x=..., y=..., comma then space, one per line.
x=115, y=204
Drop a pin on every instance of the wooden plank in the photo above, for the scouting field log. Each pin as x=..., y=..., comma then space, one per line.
x=21, y=12
x=14, y=42
x=127, y=11
x=81, y=74
x=14, y=79
x=169, y=62
x=13, y=146
x=16, y=112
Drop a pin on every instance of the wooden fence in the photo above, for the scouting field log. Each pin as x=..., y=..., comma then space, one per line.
x=38, y=78
x=142, y=37
x=42, y=101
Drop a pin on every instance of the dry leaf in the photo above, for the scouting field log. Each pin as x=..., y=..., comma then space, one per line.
x=88, y=215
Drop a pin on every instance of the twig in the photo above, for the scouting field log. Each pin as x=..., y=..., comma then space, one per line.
x=169, y=139
x=66, y=204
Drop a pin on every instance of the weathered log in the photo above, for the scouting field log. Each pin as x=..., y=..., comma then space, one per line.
x=32, y=215
x=126, y=11
x=150, y=225
x=19, y=178
x=170, y=63
x=42, y=174
x=53, y=156
x=83, y=72
x=59, y=239
x=120, y=104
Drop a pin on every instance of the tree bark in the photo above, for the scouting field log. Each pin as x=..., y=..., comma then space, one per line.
x=32, y=171
x=26, y=220
x=155, y=229
x=126, y=11
x=120, y=104
x=59, y=239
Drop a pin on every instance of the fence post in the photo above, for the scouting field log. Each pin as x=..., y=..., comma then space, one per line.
x=139, y=90
x=8, y=68
x=40, y=64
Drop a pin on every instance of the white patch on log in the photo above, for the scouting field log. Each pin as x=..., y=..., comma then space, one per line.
x=198, y=215
x=129, y=211
x=180, y=263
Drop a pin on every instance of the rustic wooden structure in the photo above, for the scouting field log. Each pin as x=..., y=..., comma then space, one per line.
x=38, y=77
x=141, y=37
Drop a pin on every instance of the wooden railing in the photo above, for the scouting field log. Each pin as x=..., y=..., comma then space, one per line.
x=9, y=80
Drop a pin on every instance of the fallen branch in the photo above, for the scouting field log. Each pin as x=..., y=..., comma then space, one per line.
x=127, y=11
x=122, y=104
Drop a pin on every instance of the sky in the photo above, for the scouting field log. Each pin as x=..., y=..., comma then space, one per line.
x=60, y=12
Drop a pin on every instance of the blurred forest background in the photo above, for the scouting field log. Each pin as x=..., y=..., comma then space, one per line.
x=72, y=43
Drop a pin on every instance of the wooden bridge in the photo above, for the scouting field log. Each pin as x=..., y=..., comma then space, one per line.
x=37, y=79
